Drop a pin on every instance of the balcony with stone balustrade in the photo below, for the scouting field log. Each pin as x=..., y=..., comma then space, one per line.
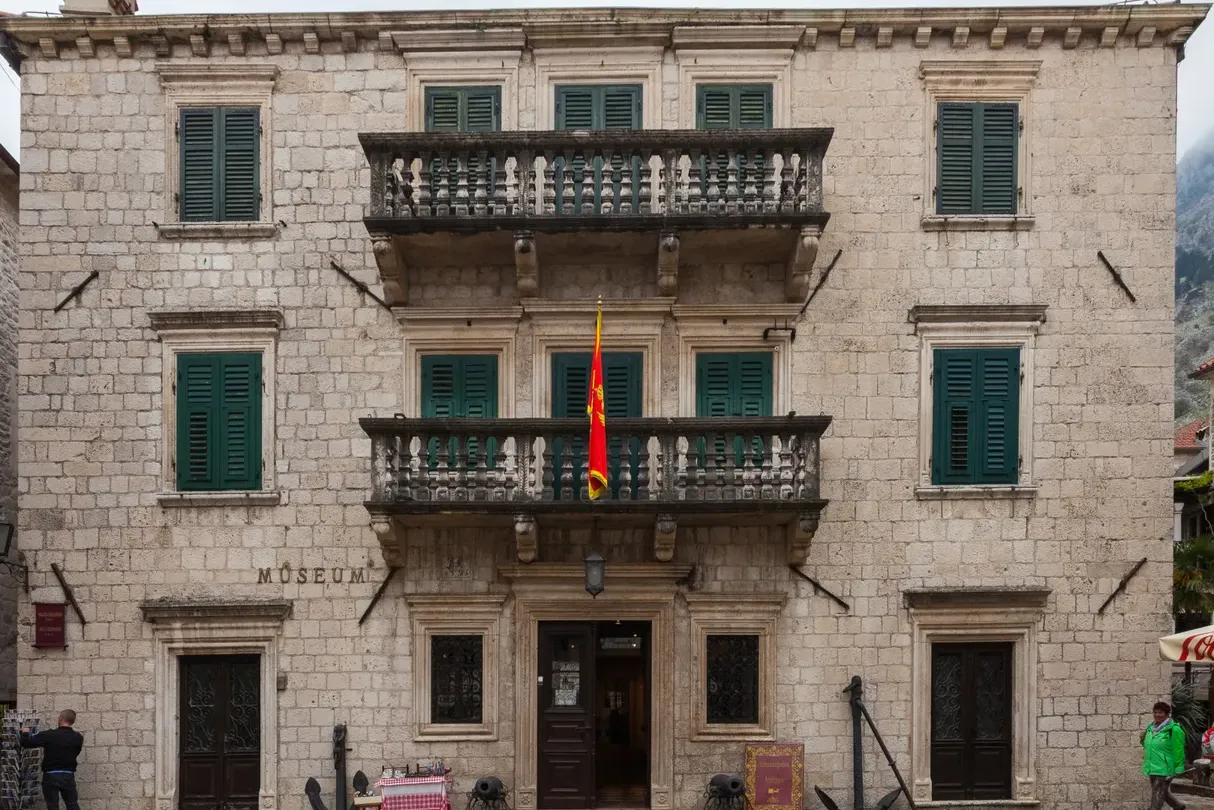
x=531, y=473
x=667, y=197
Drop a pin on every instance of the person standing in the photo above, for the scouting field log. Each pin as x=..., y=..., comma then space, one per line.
x=60, y=748
x=1162, y=756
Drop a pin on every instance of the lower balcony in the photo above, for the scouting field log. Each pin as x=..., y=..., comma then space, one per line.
x=532, y=472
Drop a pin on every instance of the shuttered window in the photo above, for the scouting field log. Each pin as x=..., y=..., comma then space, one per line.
x=218, y=421
x=460, y=386
x=735, y=384
x=976, y=156
x=594, y=107
x=220, y=164
x=463, y=109
x=976, y=416
x=733, y=106
x=622, y=390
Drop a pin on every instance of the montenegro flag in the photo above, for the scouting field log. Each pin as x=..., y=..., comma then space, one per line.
x=595, y=407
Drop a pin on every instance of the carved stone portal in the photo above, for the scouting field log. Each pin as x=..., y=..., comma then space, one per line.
x=664, y=531
x=668, y=263
x=525, y=537
x=801, y=265
x=800, y=534
x=391, y=270
x=526, y=264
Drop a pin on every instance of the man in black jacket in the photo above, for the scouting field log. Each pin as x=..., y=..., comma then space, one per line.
x=60, y=747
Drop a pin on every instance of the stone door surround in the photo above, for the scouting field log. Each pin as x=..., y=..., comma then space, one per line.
x=556, y=592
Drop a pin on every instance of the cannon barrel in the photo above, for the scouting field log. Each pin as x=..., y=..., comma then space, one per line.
x=726, y=786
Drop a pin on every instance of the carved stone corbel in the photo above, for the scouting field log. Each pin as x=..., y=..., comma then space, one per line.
x=668, y=263
x=525, y=537
x=391, y=543
x=801, y=266
x=391, y=270
x=664, y=530
x=526, y=264
x=800, y=533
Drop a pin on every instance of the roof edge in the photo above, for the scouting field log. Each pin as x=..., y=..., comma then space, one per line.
x=8, y=160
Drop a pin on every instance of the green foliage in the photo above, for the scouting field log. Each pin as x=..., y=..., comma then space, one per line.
x=1191, y=713
x=1193, y=485
x=1193, y=576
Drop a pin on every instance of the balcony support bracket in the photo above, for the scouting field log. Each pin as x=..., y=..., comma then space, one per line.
x=525, y=537
x=664, y=530
x=801, y=265
x=392, y=269
x=526, y=264
x=800, y=533
x=668, y=263
x=391, y=539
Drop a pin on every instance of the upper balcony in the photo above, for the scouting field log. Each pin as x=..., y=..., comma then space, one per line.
x=526, y=473
x=667, y=196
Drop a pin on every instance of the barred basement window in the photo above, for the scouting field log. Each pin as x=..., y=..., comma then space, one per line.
x=456, y=673
x=732, y=679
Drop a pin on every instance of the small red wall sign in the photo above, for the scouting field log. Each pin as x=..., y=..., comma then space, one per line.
x=775, y=775
x=50, y=625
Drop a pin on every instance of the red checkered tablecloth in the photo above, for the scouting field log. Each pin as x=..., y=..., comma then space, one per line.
x=434, y=799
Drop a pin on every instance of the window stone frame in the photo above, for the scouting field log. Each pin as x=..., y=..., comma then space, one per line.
x=459, y=331
x=729, y=64
x=458, y=68
x=456, y=615
x=719, y=614
x=962, y=615
x=979, y=80
x=568, y=66
x=217, y=85
x=217, y=332
x=976, y=327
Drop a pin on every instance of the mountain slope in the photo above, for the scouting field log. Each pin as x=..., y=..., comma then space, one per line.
x=1194, y=274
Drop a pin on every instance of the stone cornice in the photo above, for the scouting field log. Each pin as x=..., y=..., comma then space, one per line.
x=168, y=609
x=974, y=598
x=1004, y=74
x=202, y=35
x=216, y=319
x=216, y=73
x=977, y=313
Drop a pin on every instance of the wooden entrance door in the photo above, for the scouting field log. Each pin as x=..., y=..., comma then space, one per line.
x=971, y=721
x=220, y=740
x=566, y=716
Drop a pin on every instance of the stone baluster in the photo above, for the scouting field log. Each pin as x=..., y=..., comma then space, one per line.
x=518, y=483
x=625, y=477
x=750, y=190
x=769, y=474
x=626, y=183
x=463, y=165
x=644, y=202
x=442, y=181
x=567, y=195
x=501, y=192
x=748, y=473
x=583, y=482
x=730, y=201
x=457, y=476
x=405, y=467
x=479, y=177
x=566, y=469
x=587, y=182
x=695, y=183
x=713, y=201
x=549, y=182
x=798, y=189
x=442, y=469
x=786, y=185
x=608, y=194
x=546, y=469
x=424, y=184
x=676, y=196
x=643, y=468
x=771, y=201
x=664, y=186
x=685, y=461
x=427, y=484
x=524, y=185
x=798, y=468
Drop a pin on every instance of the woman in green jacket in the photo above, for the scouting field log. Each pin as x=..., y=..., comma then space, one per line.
x=1163, y=757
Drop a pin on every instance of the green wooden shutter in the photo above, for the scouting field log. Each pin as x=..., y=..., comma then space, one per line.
x=197, y=429
x=975, y=424
x=459, y=386
x=734, y=384
x=218, y=421
x=239, y=174
x=597, y=107
x=442, y=109
x=439, y=395
x=199, y=158
x=956, y=180
x=482, y=109
x=1000, y=128
x=240, y=421
x=575, y=108
x=733, y=106
x=478, y=383
x=998, y=417
x=621, y=106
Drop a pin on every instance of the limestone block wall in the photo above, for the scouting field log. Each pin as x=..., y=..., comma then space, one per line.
x=1100, y=126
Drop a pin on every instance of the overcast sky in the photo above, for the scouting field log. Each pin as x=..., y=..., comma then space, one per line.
x=1195, y=101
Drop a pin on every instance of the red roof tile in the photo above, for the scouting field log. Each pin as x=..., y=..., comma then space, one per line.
x=1186, y=436
x=1203, y=370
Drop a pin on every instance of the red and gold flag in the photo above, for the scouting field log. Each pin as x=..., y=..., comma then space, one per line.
x=596, y=478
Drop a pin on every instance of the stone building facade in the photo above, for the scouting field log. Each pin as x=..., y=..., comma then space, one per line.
x=10, y=176
x=924, y=196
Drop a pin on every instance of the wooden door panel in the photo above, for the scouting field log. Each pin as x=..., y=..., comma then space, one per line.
x=566, y=718
x=220, y=735
x=971, y=751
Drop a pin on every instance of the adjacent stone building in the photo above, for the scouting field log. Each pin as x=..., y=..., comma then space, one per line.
x=10, y=175
x=310, y=448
